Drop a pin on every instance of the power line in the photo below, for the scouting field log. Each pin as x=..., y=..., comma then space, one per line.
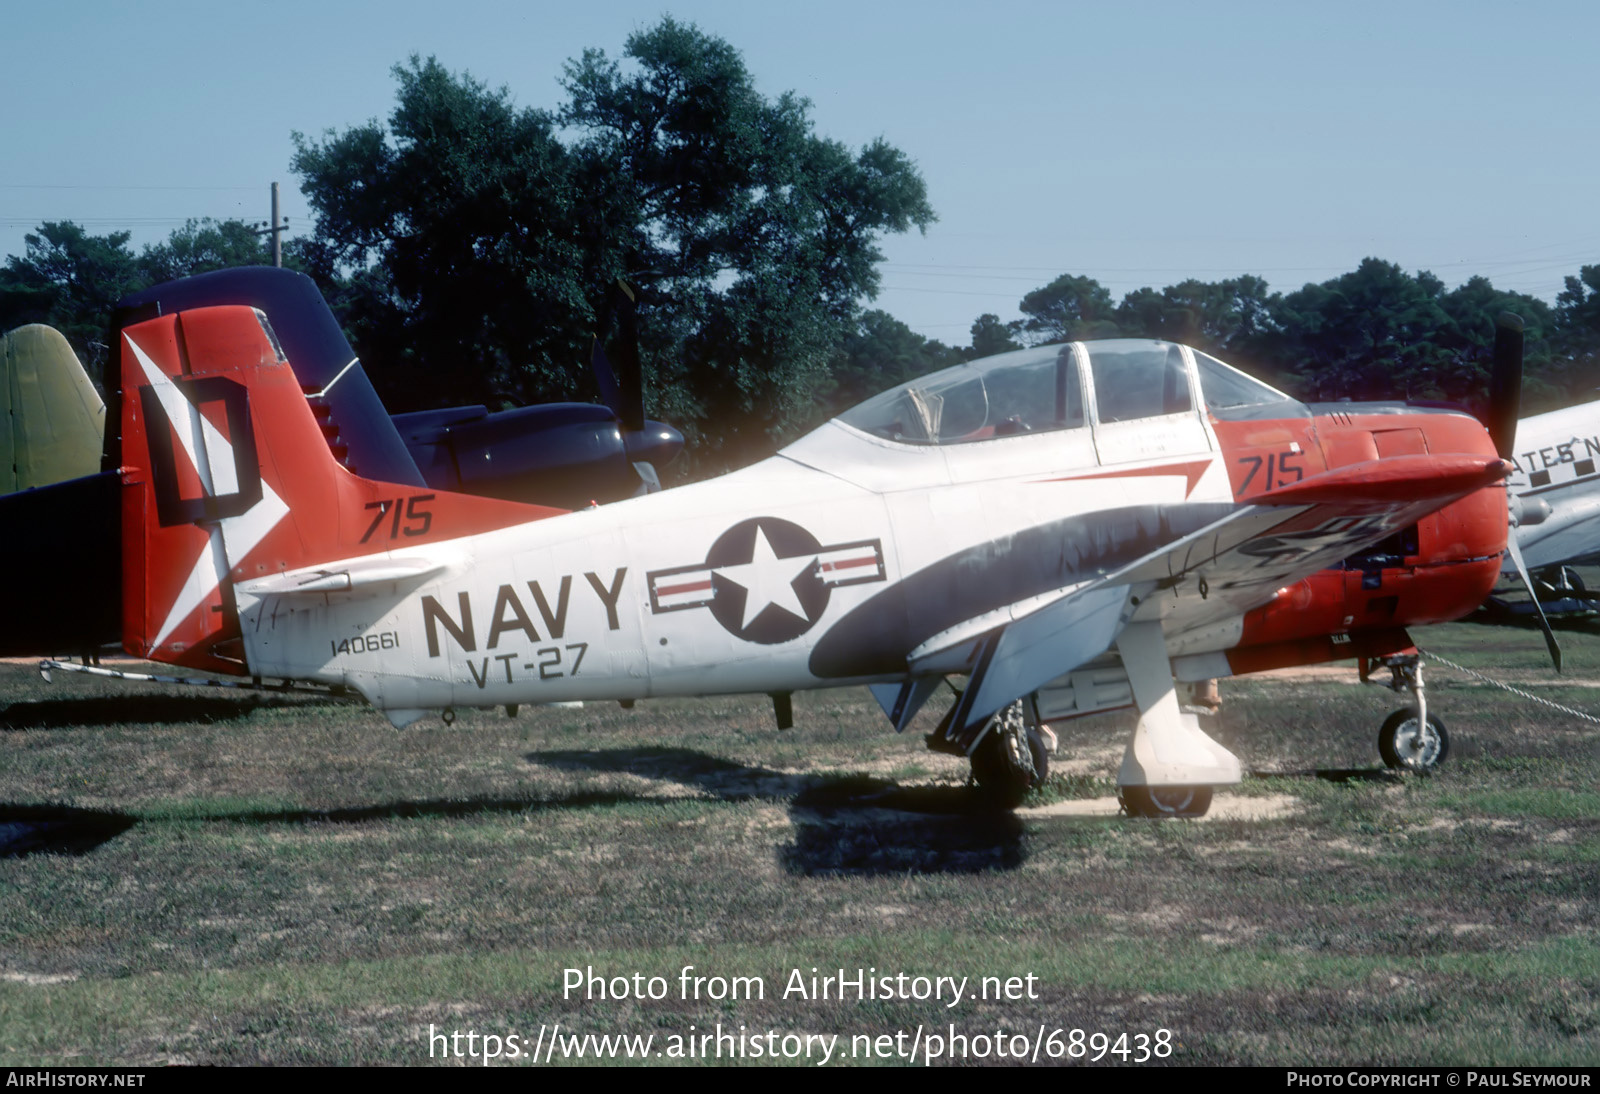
x=97, y=186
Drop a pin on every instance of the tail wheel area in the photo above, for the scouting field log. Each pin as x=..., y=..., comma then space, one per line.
x=1409, y=745
x=1165, y=801
x=1011, y=759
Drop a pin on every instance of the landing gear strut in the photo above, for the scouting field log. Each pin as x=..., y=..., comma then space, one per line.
x=1170, y=766
x=1411, y=739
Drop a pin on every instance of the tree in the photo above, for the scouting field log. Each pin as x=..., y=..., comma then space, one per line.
x=487, y=247
x=1576, y=333
x=1473, y=309
x=1220, y=317
x=1067, y=309
x=990, y=336
x=1367, y=334
x=878, y=354
x=201, y=246
x=459, y=230
x=70, y=280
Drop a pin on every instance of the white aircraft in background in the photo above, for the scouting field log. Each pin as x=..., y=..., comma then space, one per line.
x=1555, y=492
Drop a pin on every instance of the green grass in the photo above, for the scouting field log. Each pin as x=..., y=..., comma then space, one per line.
x=297, y=882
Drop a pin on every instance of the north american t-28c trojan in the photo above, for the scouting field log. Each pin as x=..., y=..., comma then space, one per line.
x=1072, y=528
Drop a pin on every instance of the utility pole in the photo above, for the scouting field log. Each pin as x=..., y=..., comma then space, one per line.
x=275, y=229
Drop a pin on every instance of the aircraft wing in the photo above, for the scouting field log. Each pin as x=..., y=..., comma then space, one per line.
x=1228, y=566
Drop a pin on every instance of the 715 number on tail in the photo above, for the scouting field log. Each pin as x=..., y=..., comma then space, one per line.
x=418, y=518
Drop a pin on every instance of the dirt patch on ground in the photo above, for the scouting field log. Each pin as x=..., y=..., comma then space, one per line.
x=1087, y=760
x=38, y=978
x=1223, y=807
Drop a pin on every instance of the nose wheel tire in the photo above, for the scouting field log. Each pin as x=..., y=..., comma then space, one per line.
x=1165, y=801
x=1011, y=759
x=1405, y=745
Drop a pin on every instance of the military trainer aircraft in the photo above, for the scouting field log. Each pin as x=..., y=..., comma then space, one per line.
x=1071, y=528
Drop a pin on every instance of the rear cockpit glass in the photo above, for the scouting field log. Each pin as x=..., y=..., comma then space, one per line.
x=1225, y=387
x=1136, y=378
x=1028, y=391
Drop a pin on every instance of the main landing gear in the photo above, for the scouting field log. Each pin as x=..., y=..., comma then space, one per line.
x=1170, y=766
x=1012, y=757
x=1411, y=739
x=1164, y=801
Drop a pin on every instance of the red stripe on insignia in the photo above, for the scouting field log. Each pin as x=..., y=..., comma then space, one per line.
x=851, y=563
x=674, y=590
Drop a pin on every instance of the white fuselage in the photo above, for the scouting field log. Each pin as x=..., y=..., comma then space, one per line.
x=641, y=598
x=1557, y=482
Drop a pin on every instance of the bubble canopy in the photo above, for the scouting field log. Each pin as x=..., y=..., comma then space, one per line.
x=1048, y=388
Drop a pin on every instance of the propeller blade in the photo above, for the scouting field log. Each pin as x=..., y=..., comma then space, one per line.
x=648, y=477
x=1522, y=571
x=1505, y=384
x=606, y=377
x=630, y=381
x=621, y=385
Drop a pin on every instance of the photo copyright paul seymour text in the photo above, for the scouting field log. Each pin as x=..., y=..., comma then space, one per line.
x=1459, y=1078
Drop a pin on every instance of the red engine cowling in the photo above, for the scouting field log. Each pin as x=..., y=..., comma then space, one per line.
x=1439, y=569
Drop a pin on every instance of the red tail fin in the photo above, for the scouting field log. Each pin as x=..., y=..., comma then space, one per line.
x=227, y=477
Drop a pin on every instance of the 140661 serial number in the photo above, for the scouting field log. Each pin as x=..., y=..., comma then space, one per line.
x=366, y=643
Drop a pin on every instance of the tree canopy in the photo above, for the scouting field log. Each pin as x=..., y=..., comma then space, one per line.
x=474, y=244
x=71, y=280
x=470, y=247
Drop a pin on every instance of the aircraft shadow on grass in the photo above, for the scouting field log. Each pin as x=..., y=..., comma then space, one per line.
x=137, y=710
x=851, y=824
x=34, y=829
x=844, y=824
x=57, y=829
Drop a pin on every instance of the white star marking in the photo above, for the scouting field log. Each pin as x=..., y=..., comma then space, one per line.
x=768, y=580
x=212, y=457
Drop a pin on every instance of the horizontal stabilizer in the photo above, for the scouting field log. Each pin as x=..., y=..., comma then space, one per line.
x=367, y=573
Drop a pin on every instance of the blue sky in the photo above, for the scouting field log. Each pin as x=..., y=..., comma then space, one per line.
x=1137, y=143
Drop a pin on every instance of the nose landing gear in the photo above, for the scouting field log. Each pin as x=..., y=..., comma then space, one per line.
x=1411, y=739
x=1408, y=744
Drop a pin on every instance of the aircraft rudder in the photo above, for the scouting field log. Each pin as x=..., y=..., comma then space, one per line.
x=228, y=476
x=201, y=490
